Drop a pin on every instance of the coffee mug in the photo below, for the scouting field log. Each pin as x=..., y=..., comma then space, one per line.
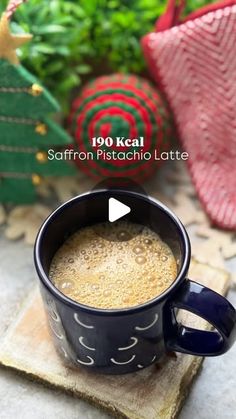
x=118, y=341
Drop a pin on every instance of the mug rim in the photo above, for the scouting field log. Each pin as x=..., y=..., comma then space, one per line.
x=44, y=278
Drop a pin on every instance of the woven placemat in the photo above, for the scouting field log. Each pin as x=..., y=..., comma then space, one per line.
x=155, y=392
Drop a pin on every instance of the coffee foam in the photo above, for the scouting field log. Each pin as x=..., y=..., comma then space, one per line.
x=113, y=274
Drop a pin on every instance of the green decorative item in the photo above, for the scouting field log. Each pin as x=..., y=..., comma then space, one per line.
x=26, y=131
x=75, y=38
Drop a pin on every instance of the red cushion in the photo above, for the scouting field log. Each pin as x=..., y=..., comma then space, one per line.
x=195, y=63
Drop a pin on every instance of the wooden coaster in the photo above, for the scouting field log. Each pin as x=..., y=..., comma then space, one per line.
x=155, y=392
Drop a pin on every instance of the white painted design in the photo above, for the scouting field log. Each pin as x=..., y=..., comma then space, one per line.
x=149, y=326
x=80, y=322
x=123, y=363
x=64, y=352
x=135, y=341
x=81, y=338
x=142, y=366
x=54, y=315
x=49, y=302
x=90, y=362
x=58, y=335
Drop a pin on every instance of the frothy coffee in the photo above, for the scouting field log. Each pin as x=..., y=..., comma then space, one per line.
x=112, y=273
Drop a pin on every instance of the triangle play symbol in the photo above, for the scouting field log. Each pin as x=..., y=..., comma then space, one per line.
x=117, y=209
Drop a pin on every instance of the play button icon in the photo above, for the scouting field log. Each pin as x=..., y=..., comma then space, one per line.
x=113, y=209
x=116, y=209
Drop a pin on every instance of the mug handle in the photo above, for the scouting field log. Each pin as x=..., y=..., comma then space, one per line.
x=212, y=307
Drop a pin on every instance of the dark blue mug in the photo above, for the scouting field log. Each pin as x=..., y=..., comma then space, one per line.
x=118, y=341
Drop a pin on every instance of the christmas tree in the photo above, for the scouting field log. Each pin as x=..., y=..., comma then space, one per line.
x=26, y=131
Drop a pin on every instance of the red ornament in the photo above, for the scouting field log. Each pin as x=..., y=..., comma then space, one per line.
x=120, y=106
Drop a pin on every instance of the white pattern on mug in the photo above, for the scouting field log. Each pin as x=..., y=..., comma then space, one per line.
x=91, y=361
x=64, y=352
x=58, y=335
x=135, y=341
x=140, y=328
x=123, y=363
x=142, y=366
x=81, y=338
x=54, y=315
x=80, y=322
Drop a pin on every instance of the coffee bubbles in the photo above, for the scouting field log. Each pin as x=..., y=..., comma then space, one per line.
x=123, y=235
x=140, y=260
x=111, y=274
x=138, y=250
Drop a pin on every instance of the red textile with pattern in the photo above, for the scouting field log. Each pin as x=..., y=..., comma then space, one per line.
x=195, y=63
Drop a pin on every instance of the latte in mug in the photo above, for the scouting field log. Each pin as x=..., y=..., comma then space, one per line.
x=117, y=270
